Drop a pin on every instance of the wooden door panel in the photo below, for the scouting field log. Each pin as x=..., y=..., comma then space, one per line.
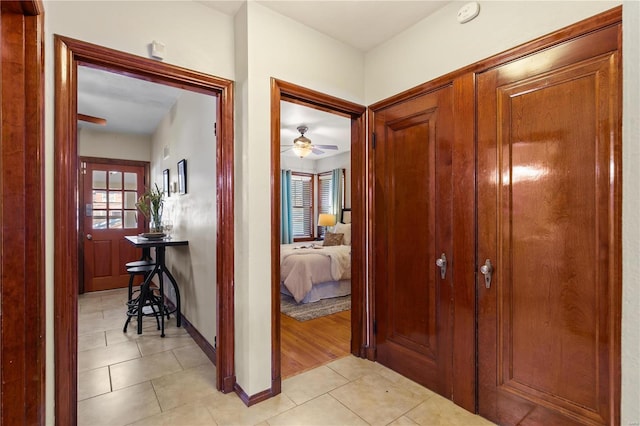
x=411, y=299
x=546, y=148
x=101, y=258
x=413, y=221
x=550, y=248
x=126, y=252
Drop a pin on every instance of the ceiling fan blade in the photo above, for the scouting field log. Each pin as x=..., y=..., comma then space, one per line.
x=326, y=146
x=285, y=149
x=92, y=119
x=316, y=151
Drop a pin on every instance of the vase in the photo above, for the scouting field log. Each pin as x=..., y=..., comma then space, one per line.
x=155, y=225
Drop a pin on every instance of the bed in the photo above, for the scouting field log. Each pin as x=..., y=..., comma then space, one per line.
x=312, y=271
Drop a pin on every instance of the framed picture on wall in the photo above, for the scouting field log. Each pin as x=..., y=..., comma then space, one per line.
x=346, y=215
x=165, y=182
x=182, y=176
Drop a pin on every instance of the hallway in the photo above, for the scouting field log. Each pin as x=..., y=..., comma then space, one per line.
x=145, y=380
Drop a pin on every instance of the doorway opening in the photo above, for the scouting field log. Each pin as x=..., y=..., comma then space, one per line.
x=315, y=161
x=70, y=54
x=286, y=96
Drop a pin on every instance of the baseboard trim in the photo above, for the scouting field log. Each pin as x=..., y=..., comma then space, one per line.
x=206, y=347
x=254, y=399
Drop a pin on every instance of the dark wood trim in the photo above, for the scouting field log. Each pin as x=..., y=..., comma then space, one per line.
x=22, y=282
x=225, y=240
x=368, y=349
x=281, y=90
x=32, y=8
x=100, y=160
x=463, y=175
x=69, y=53
x=253, y=399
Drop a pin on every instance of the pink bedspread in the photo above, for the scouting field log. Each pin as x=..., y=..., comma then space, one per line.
x=301, y=268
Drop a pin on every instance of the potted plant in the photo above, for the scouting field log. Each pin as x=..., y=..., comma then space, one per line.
x=150, y=205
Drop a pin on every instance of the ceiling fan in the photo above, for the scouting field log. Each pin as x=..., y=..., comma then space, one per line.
x=302, y=145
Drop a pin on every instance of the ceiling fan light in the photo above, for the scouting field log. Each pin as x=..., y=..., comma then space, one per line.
x=301, y=151
x=302, y=140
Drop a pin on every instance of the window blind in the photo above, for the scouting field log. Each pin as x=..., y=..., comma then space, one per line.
x=302, y=204
x=324, y=193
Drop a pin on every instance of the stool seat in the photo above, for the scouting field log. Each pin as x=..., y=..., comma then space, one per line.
x=140, y=263
x=140, y=270
x=137, y=270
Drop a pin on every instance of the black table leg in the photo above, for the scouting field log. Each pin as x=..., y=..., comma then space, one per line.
x=175, y=288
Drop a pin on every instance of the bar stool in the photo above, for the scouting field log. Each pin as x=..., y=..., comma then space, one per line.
x=145, y=297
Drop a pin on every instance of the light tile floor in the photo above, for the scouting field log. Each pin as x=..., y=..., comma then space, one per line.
x=126, y=378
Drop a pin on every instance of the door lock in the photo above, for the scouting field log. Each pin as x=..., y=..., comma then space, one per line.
x=487, y=271
x=441, y=262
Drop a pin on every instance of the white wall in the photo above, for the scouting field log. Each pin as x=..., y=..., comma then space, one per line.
x=123, y=146
x=196, y=37
x=630, y=209
x=438, y=45
x=296, y=164
x=274, y=46
x=187, y=131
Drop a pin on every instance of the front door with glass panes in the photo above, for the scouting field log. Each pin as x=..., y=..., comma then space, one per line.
x=110, y=191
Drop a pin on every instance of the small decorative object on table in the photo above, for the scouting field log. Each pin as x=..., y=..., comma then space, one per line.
x=150, y=205
x=167, y=226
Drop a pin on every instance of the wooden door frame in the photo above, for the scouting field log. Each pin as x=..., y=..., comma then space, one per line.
x=69, y=53
x=283, y=91
x=81, y=202
x=22, y=264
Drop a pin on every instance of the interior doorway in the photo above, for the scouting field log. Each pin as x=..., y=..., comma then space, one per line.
x=70, y=54
x=282, y=91
x=315, y=161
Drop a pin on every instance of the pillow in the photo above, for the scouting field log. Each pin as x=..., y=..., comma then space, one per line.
x=331, y=239
x=344, y=228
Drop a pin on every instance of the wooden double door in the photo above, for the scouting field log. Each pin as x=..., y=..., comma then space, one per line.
x=546, y=243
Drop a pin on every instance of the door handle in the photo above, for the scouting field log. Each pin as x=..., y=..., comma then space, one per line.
x=441, y=262
x=89, y=237
x=487, y=271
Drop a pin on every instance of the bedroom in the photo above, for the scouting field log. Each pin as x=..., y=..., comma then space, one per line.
x=315, y=284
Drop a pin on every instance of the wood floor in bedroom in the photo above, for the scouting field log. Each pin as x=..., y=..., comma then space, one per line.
x=310, y=344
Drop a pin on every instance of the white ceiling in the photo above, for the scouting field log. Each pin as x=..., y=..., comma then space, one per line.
x=363, y=24
x=323, y=129
x=129, y=105
x=136, y=106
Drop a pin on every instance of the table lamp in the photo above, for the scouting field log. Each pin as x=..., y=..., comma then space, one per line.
x=326, y=219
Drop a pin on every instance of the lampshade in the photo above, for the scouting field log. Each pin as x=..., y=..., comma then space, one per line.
x=301, y=150
x=325, y=219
